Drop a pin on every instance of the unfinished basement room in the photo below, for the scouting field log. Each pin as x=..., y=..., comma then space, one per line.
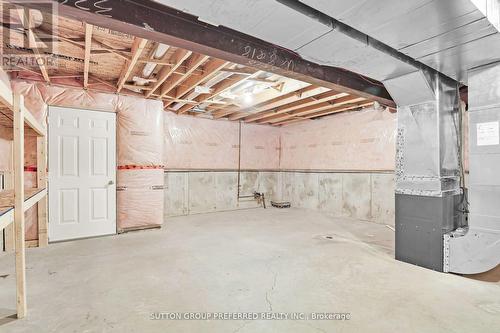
x=249, y=166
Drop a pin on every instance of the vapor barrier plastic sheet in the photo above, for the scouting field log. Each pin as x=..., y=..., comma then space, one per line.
x=6, y=154
x=260, y=147
x=37, y=95
x=139, y=145
x=361, y=140
x=139, y=198
x=139, y=132
x=194, y=143
x=31, y=215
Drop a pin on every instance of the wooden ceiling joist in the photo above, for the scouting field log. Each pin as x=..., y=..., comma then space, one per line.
x=110, y=60
x=313, y=109
x=212, y=67
x=219, y=88
x=284, y=99
x=88, y=49
x=28, y=23
x=195, y=61
x=165, y=72
x=308, y=101
x=185, y=31
x=292, y=97
x=137, y=48
x=337, y=109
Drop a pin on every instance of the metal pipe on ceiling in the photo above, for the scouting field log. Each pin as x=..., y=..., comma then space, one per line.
x=361, y=37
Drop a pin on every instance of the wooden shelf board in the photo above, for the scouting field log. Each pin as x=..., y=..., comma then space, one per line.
x=32, y=196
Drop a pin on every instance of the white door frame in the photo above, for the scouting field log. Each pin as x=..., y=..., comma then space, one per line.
x=111, y=177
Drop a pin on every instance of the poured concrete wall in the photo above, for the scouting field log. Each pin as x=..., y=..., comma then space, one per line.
x=195, y=192
x=364, y=196
x=310, y=165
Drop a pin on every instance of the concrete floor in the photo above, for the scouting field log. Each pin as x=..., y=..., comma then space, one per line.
x=245, y=261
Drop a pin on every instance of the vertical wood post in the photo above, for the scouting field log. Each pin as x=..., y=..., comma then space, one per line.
x=10, y=236
x=41, y=170
x=18, y=206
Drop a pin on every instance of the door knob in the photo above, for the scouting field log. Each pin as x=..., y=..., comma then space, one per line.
x=111, y=182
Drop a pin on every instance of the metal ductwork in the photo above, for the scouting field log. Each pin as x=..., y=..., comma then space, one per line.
x=476, y=247
x=428, y=166
x=436, y=40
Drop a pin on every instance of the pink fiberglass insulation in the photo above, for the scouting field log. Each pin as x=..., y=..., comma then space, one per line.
x=139, y=120
x=6, y=155
x=31, y=215
x=139, y=198
x=195, y=143
x=38, y=94
x=33, y=99
x=260, y=147
x=139, y=132
x=359, y=140
x=30, y=151
x=140, y=163
x=139, y=145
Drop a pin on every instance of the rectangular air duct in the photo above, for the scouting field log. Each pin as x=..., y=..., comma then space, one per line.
x=476, y=247
x=428, y=164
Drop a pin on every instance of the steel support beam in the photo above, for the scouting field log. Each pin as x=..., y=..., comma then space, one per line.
x=154, y=21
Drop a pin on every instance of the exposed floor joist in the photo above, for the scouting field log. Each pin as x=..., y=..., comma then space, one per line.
x=177, y=59
x=312, y=109
x=218, y=89
x=137, y=48
x=195, y=61
x=274, y=103
x=338, y=109
x=28, y=22
x=308, y=101
x=187, y=82
x=168, y=26
x=212, y=67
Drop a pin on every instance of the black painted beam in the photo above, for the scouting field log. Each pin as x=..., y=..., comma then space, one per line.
x=157, y=22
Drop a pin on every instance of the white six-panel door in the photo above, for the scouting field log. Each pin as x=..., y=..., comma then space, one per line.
x=82, y=172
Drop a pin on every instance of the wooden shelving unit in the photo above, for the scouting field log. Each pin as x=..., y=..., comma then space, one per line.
x=15, y=202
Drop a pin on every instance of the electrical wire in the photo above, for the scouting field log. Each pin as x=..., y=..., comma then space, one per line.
x=464, y=201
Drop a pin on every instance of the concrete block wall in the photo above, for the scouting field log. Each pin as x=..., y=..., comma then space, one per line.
x=195, y=192
x=364, y=196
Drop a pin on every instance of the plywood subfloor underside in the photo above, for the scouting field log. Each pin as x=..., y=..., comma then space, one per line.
x=255, y=260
